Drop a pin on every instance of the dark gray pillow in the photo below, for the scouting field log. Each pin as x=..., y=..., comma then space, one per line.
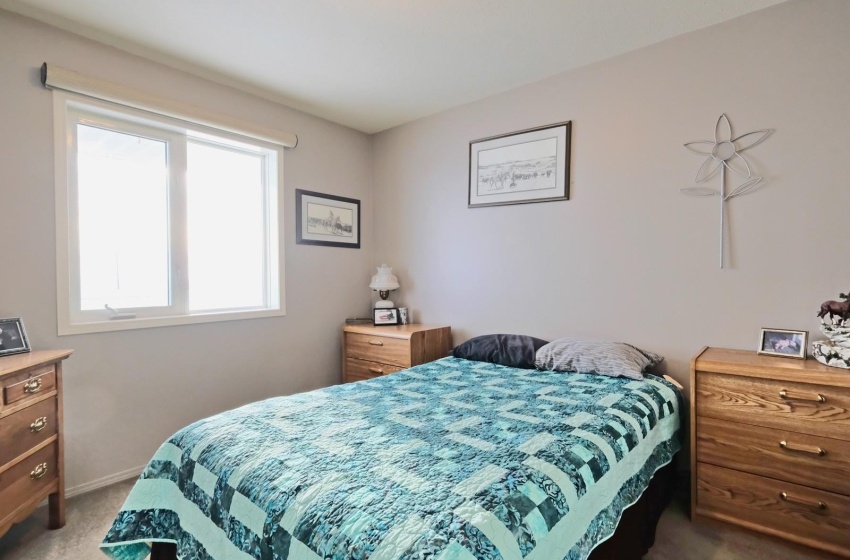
x=512, y=350
x=615, y=359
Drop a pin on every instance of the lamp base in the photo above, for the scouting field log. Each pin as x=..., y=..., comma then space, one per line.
x=384, y=304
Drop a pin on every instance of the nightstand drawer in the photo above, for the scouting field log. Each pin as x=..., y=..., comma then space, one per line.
x=376, y=348
x=19, y=388
x=796, y=407
x=367, y=370
x=26, y=428
x=27, y=479
x=814, y=461
x=786, y=510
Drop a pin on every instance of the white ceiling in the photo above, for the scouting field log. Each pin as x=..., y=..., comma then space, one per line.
x=375, y=64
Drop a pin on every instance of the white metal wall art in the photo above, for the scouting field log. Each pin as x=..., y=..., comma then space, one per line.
x=721, y=154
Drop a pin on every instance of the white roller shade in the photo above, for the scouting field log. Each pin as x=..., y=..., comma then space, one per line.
x=54, y=77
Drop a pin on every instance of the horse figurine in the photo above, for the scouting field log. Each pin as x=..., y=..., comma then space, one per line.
x=840, y=308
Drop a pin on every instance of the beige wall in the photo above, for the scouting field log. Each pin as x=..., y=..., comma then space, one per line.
x=628, y=257
x=125, y=392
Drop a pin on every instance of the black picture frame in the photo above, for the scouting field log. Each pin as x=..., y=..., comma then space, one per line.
x=531, y=165
x=380, y=319
x=13, y=337
x=341, y=231
x=783, y=343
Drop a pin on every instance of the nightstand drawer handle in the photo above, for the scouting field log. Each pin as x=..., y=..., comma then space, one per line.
x=802, y=397
x=376, y=343
x=802, y=501
x=813, y=450
x=33, y=385
x=39, y=471
x=376, y=370
x=38, y=425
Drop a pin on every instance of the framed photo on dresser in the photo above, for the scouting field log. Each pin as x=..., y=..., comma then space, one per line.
x=782, y=342
x=13, y=337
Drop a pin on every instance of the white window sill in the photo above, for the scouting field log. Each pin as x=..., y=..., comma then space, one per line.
x=151, y=322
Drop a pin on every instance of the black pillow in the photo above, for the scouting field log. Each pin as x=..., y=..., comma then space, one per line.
x=512, y=350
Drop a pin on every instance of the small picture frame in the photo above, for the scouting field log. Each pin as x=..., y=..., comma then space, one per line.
x=784, y=343
x=13, y=337
x=386, y=316
x=326, y=219
x=530, y=165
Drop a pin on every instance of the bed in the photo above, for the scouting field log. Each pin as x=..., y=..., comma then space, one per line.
x=450, y=460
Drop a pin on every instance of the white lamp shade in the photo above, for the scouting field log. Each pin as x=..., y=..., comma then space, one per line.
x=384, y=279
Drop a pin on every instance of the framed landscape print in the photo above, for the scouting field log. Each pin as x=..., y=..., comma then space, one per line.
x=526, y=166
x=324, y=219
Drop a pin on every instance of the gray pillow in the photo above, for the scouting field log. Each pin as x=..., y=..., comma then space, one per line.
x=615, y=359
x=512, y=350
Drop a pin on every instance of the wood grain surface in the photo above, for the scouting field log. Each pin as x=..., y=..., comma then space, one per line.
x=754, y=502
x=18, y=434
x=377, y=348
x=758, y=401
x=757, y=450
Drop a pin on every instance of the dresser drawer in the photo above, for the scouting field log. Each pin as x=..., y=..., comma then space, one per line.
x=367, y=370
x=27, y=428
x=796, y=407
x=819, y=462
x=21, y=387
x=375, y=348
x=27, y=478
x=757, y=503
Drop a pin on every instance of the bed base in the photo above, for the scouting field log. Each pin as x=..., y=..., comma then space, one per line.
x=632, y=539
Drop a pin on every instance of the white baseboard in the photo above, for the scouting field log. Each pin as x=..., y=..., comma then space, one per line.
x=102, y=482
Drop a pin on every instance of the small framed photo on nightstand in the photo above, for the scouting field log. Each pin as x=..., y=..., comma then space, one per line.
x=785, y=343
x=386, y=316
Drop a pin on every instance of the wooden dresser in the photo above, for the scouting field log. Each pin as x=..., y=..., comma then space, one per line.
x=31, y=448
x=369, y=351
x=770, y=446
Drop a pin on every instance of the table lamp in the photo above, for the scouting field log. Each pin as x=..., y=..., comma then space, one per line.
x=384, y=282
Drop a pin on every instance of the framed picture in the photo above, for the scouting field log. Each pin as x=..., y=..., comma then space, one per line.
x=13, y=337
x=785, y=343
x=527, y=166
x=386, y=316
x=325, y=219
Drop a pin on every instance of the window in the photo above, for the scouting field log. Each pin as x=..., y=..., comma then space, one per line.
x=162, y=222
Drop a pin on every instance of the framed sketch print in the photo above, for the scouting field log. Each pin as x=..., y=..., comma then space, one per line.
x=325, y=219
x=527, y=166
x=13, y=337
x=785, y=343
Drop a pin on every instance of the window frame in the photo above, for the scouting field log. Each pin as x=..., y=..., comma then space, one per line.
x=70, y=109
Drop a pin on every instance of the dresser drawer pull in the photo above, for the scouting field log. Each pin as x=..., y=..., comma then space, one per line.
x=38, y=425
x=33, y=385
x=813, y=450
x=376, y=343
x=802, y=501
x=39, y=471
x=802, y=397
x=376, y=370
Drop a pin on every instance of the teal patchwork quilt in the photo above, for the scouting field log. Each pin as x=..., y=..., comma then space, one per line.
x=451, y=460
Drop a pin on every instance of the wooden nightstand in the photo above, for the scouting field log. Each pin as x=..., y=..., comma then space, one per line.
x=369, y=351
x=770, y=446
x=31, y=448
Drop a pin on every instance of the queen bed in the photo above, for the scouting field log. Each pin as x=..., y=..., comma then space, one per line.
x=451, y=460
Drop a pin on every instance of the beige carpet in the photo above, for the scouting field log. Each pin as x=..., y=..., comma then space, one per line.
x=90, y=515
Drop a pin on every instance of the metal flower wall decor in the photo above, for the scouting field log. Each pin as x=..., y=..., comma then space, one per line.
x=721, y=154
